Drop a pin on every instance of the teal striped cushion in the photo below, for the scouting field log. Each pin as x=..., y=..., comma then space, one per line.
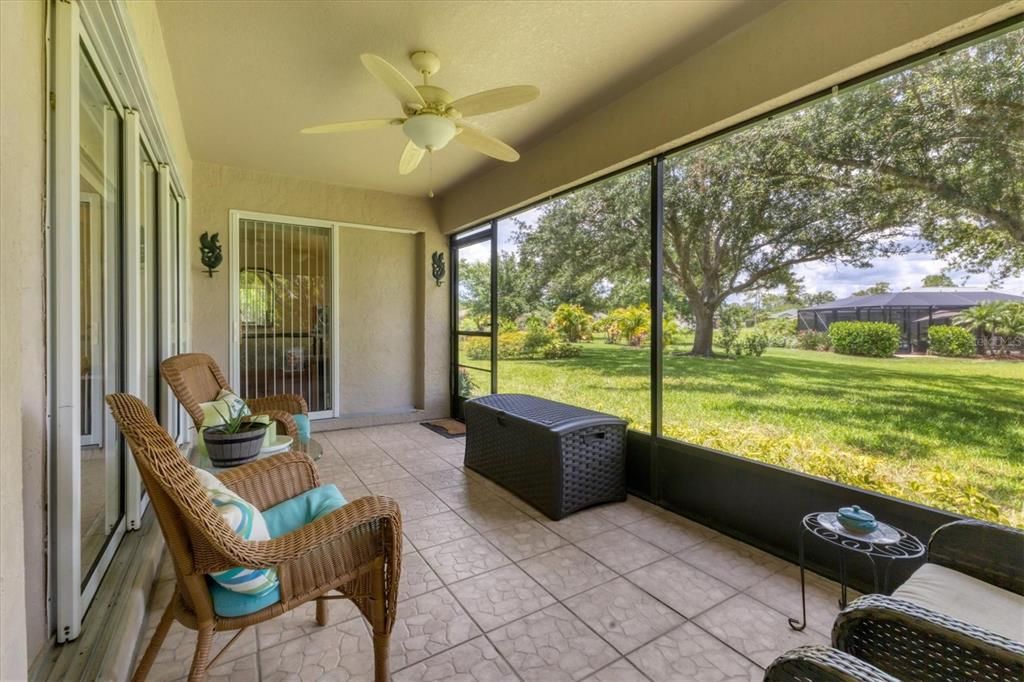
x=248, y=523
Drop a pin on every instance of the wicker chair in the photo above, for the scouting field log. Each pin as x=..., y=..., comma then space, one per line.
x=822, y=664
x=355, y=550
x=195, y=378
x=913, y=642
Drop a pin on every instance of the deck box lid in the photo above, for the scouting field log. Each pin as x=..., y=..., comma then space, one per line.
x=545, y=412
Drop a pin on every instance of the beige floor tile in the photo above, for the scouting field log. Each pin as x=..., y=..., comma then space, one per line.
x=417, y=577
x=243, y=669
x=443, y=478
x=361, y=460
x=732, y=561
x=759, y=632
x=175, y=656
x=302, y=621
x=491, y=514
x=342, y=652
x=475, y=661
x=580, y=526
x=501, y=596
x=437, y=529
x=388, y=472
x=670, y=532
x=398, y=488
x=621, y=551
x=689, y=653
x=424, y=464
x=420, y=505
x=427, y=625
x=524, y=539
x=621, y=513
x=619, y=671
x=623, y=614
x=781, y=591
x=463, y=558
x=465, y=493
x=685, y=588
x=566, y=571
x=552, y=645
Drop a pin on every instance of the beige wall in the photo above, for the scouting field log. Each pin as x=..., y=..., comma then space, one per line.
x=22, y=369
x=797, y=49
x=149, y=41
x=385, y=307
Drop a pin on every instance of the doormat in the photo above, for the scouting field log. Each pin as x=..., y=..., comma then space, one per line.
x=449, y=428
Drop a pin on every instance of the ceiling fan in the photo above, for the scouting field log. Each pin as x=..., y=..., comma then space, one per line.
x=432, y=117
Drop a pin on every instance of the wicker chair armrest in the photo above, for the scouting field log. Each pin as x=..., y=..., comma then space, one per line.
x=273, y=480
x=285, y=422
x=285, y=402
x=909, y=641
x=982, y=550
x=822, y=664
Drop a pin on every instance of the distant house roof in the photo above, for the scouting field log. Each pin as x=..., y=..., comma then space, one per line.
x=941, y=297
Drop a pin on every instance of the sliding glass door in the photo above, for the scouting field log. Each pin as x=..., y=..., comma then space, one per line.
x=473, y=328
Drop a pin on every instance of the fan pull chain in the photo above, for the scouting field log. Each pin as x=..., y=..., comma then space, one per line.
x=430, y=171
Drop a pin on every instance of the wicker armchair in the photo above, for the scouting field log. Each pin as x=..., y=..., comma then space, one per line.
x=822, y=664
x=914, y=642
x=195, y=378
x=355, y=550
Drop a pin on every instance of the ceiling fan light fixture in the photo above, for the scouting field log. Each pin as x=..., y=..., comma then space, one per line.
x=429, y=131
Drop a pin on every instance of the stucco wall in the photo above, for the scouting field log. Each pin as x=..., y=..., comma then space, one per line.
x=795, y=50
x=22, y=369
x=149, y=41
x=385, y=307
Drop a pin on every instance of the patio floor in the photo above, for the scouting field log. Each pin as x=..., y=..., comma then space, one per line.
x=493, y=590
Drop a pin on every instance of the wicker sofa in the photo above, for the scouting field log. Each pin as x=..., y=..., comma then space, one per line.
x=822, y=664
x=960, y=616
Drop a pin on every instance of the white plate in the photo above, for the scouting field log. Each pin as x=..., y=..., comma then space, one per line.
x=280, y=444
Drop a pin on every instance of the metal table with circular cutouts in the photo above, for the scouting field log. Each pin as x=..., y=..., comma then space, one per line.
x=886, y=542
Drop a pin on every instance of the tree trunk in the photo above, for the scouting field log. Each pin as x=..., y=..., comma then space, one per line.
x=704, y=329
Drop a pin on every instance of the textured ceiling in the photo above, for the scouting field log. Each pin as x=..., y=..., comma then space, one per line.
x=249, y=75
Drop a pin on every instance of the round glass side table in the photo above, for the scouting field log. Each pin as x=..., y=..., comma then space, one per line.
x=886, y=543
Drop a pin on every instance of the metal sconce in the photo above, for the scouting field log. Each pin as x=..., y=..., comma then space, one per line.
x=437, y=267
x=210, y=251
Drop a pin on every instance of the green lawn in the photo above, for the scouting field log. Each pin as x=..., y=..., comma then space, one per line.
x=943, y=432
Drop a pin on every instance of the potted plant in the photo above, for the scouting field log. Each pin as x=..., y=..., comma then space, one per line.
x=236, y=441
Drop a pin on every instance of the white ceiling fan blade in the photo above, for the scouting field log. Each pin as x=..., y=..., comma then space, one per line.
x=350, y=126
x=394, y=81
x=495, y=100
x=485, y=144
x=411, y=157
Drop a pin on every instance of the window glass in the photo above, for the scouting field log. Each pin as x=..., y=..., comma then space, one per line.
x=846, y=286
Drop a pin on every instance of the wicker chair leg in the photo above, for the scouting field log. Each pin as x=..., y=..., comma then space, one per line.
x=381, y=656
x=204, y=639
x=378, y=622
x=321, y=612
x=153, y=648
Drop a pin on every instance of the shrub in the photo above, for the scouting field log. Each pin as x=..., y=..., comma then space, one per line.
x=875, y=339
x=781, y=332
x=476, y=347
x=632, y=323
x=571, y=322
x=950, y=341
x=537, y=336
x=560, y=349
x=811, y=340
x=751, y=342
x=466, y=383
x=670, y=329
x=730, y=323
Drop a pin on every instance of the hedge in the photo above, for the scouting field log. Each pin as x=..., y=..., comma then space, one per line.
x=875, y=339
x=951, y=341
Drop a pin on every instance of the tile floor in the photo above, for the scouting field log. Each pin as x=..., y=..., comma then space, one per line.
x=493, y=590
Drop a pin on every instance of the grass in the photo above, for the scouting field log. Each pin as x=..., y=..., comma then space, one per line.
x=943, y=432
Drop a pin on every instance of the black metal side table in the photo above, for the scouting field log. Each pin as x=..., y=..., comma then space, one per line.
x=886, y=542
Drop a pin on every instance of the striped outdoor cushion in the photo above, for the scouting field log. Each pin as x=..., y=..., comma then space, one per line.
x=247, y=521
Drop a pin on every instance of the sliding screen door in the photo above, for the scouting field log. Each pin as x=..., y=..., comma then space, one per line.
x=284, y=295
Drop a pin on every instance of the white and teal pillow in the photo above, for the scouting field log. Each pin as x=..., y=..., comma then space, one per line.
x=248, y=523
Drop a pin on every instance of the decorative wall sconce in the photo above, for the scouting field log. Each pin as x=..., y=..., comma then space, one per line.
x=210, y=251
x=437, y=267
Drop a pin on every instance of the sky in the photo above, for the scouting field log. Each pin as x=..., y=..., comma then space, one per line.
x=900, y=272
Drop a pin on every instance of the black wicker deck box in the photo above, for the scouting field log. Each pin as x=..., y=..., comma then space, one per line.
x=557, y=457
